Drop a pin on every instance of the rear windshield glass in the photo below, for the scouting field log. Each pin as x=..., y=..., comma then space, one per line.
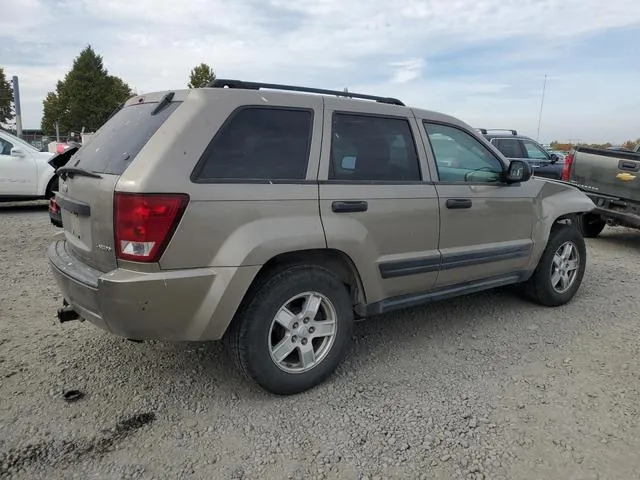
x=112, y=148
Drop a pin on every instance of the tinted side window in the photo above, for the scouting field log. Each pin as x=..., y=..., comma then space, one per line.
x=260, y=143
x=534, y=151
x=510, y=148
x=460, y=157
x=372, y=148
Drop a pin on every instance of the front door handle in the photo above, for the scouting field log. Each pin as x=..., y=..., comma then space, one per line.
x=457, y=203
x=349, y=206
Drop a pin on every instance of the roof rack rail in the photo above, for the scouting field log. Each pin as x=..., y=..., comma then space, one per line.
x=222, y=83
x=484, y=131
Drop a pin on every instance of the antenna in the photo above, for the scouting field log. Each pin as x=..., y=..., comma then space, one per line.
x=544, y=86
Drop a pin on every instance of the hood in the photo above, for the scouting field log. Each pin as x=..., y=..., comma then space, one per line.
x=61, y=159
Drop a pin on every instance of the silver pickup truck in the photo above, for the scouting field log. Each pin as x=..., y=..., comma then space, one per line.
x=611, y=178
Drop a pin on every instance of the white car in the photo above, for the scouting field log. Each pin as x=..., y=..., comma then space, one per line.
x=24, y=171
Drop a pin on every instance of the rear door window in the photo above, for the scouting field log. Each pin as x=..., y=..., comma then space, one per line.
x=371, y=148
x=510, y=148
x=259, y=143
x=112, y=148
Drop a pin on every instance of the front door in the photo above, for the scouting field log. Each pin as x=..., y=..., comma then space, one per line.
x=485, y=224
x=375, y=206
x=18, y=174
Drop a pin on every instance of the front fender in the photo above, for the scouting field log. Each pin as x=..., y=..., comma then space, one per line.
x=556, y=200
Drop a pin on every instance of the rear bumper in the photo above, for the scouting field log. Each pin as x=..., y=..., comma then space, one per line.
x=193, y=304
x=623, y=212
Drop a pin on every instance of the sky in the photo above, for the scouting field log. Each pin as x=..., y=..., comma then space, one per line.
x=483, y=61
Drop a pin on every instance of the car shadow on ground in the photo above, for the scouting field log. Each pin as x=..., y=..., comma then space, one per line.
x=375, y=341
x=17, y=207
x=619, y=237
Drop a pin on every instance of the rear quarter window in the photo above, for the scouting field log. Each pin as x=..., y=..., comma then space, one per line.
x=120, y=139
x=258, y=143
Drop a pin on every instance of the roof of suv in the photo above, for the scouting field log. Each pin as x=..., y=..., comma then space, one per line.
x=279, y=91
x=505, y=133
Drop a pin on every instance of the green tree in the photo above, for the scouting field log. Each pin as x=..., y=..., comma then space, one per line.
x=201, y=75
x=85, y=97
x=6, y=99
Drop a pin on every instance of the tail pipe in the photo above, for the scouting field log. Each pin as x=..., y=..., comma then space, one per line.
x=67, y=314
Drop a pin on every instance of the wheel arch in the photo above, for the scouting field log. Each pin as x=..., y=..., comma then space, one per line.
x=336, y=261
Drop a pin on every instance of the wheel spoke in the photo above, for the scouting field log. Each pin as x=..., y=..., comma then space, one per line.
x=307, y=355
x=557, y=260
x=567, y=251
x=323, y=329
x=311, y=306
x=572, y=265
x=285, y=318
x=564, y=281
x=555, y=278
x=283, y=349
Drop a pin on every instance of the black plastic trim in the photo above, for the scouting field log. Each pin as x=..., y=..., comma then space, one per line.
x=73, y=206
x=229, y=83
x=488, y=255
x=414, y=266
x=417, y=299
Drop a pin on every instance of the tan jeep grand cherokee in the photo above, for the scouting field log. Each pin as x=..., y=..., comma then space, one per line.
x=272, y=216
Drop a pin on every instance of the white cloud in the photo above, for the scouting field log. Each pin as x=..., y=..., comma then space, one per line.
x=495, y=51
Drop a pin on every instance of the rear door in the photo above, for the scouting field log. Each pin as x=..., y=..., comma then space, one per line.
x=376, y=202
x=86, y=189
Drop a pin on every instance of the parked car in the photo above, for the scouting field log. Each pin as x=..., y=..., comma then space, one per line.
x=513, y=146
x=59, y=160
x=24, y=171
x=611, y=178
x=272, y=219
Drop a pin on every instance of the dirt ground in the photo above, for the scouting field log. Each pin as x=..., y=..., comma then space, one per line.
x=489, y=386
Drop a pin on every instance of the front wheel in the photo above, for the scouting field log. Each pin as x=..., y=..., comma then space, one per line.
x=561, y=268
x=294, y=330
x=591, y=225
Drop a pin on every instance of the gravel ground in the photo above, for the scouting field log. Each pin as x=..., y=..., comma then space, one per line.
x=484, y=387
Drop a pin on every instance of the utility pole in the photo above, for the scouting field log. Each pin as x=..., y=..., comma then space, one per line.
x=16, y=106
x=544, y=86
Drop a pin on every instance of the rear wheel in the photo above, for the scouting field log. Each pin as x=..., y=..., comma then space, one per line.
x=561, y=268
x=294, y=330
x=592, y=225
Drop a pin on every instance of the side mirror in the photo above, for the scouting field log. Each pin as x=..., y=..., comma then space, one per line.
x=17, y=152
x=518, y=171
x=554, y=158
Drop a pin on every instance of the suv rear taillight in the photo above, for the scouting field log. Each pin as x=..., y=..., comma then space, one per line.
x=566, y=171
x=144, y=224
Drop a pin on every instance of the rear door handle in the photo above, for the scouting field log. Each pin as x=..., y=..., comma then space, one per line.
x=349, y=206
x=457, y=203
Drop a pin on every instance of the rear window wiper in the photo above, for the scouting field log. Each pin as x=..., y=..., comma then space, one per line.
x=166, y=100
x=65, y=172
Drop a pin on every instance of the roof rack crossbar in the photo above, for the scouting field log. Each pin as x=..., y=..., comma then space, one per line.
x=222, y=83
x=485, y=130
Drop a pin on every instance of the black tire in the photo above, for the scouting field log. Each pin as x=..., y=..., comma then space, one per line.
x=591, y=225
x=52, y=188
x=249, y=335
x=539, y=287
